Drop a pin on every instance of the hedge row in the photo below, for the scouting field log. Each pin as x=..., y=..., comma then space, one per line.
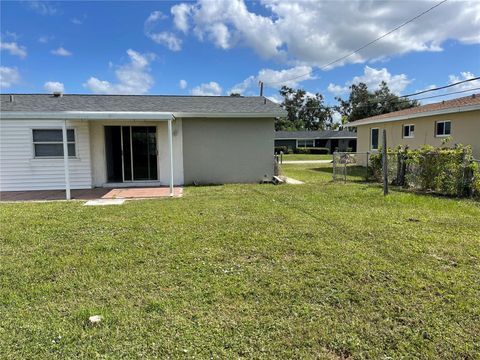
x=311, y=150
x=448, y=171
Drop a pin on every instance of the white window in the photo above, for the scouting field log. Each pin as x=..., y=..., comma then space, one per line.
x=374, y=138
x=408, y=131
x=443, y=128
x=305, y=143
x=49, y=143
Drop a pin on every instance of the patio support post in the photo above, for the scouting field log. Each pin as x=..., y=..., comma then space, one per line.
x=65, y=160
x=170, y=147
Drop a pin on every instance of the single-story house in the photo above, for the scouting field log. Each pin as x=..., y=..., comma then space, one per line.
x=83, y=141
x=458, y=119
x=341, y=140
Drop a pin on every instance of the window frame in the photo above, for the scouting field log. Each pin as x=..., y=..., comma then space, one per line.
x=410, y=131
x=378, y=139
x=74, y=142
x=444, y=122
x=305, y=147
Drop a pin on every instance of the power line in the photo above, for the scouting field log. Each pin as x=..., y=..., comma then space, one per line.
x=442, y=87
x=400, y=100
x=450, y=93
x=363, y=46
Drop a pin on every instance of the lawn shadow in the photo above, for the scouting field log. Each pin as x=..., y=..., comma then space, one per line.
x=356, y=174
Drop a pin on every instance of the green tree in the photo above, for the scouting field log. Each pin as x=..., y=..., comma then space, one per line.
x=304, y=112
x=363, y=103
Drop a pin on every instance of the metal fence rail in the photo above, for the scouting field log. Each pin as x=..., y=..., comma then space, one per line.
x=344, y=161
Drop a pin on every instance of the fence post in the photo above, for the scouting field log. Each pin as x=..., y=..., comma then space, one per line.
x=334, y=166
x=368, y=160
x=385, y=162
x=281, y=157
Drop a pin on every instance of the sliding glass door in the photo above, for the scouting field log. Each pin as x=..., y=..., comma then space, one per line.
x=135, y=148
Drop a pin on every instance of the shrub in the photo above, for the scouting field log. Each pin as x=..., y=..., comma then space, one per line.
x=279, y=149
x=319, y=150
x=449, y=171
x=312, y=150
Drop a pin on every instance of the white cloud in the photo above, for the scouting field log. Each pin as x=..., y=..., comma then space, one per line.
x=133, y=77
x=14, y=49
x=337, y=90
x=42, y=7
x=312, y=33
x=10, y=35
x=275, y=78
x=464, y=75
x=166, y=38
x=155, y=16
x=8, y=76
x=372, y=78
x=61, y=51
x=54, y=86
x=275, y=98
x=182, y=84
x=78, y=20
x=467, y=86
x=208, y=89
x=170, y=40
x=45, y=39
x=181, y=13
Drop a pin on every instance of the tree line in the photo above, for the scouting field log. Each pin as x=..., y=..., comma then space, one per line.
x=306, y=112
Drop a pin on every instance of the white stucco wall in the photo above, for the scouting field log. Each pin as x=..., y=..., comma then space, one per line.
x=20, y=170
x=97, y=142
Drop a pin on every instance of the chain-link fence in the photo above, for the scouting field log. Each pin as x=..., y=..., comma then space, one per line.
x=351, y=166
x=443, y=171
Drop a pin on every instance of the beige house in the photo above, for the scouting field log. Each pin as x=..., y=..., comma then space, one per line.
x=457, y=119
x=83, y=141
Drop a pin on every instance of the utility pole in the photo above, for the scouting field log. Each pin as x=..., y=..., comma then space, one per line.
x=261, y=87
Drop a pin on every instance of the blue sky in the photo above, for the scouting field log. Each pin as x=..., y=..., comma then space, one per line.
x=214, y=47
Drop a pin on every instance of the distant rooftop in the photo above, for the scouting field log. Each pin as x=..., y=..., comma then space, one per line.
x=139, y=103
x=423, y=110
x=325, y=134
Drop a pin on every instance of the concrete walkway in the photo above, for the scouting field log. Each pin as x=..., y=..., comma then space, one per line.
x=307, y=162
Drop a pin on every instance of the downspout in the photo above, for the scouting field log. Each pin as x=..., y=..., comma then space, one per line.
x=170, y=146
x=65, y=160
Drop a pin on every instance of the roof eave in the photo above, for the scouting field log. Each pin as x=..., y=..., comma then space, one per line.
x=415, y=115
x=126, y=115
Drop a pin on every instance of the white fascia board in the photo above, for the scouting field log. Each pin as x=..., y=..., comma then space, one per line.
x=125, y=115
x=88, y=115
x=416, y=115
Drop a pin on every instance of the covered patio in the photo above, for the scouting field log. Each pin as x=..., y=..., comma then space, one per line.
x=92, y=194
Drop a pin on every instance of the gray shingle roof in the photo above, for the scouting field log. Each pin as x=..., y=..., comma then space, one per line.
x=148, y=103
x=326, y=134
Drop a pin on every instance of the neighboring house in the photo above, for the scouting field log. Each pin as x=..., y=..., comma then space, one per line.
x=333, y=140
x=457, y=119
x=128, y=140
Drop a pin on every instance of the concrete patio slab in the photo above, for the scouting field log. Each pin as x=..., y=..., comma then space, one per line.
x=91, y=194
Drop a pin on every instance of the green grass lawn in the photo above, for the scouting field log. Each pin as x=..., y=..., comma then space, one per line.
x=307, y=157
x=319, y=270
